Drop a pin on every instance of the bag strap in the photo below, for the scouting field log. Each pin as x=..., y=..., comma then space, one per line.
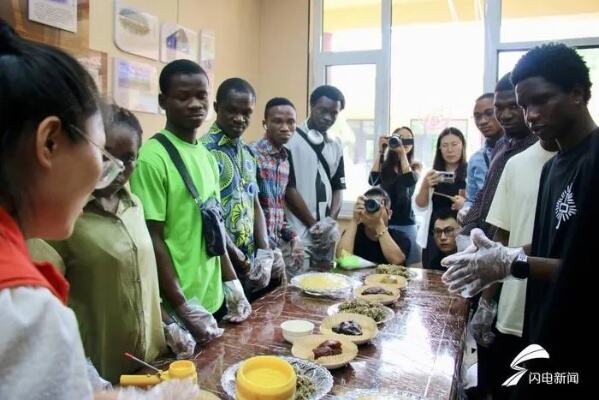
x=486, y=157
x=321, y=158
x=178, y=161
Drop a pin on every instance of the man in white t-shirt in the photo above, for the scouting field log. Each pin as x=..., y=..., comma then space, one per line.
x=318, y=168
x=513, y=213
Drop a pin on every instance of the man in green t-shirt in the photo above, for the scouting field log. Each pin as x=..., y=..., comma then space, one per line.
x=191, y=281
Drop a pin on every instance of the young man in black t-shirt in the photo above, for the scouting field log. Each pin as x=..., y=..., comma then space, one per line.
x=553, y=88
x=368, y=234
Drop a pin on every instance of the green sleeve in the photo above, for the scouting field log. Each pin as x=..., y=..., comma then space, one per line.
x=149, y=183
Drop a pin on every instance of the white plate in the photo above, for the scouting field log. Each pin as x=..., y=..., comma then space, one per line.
x=342, y=292
x=320, y=376
x=389, y=313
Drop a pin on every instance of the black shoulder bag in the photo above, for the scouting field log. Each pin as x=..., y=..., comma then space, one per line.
x=210, y=210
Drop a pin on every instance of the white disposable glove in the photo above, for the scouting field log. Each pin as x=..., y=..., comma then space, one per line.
x=179, y=340
x=199, y=321
x=259, y=275
x=278, y=267
x=481, y=326
x=479, y=266
x=98, y=383
x=170, y=389
x=238, y=307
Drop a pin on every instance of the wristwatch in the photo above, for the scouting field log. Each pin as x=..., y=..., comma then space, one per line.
x=520, y=267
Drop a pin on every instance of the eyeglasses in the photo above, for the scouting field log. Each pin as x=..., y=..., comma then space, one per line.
x=448, y=231
x=111, y=166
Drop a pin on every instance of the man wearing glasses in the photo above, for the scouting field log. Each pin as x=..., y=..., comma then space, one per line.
x=445, y=231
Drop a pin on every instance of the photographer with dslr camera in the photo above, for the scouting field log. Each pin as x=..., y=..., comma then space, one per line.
x=396, y=171
x=368, y=234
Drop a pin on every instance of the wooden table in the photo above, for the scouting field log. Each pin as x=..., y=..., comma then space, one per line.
x=419, y=351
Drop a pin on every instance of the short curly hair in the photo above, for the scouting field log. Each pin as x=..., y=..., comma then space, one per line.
x=556, y=63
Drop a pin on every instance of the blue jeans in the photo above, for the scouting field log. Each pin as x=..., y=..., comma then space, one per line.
x=415, y=252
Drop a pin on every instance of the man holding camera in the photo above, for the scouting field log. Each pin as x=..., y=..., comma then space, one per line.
x=368, y=235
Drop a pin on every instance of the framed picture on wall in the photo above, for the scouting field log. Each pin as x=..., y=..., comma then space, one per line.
x=96, y=63
x=135, y=85
x=177, y=42
x=135, y=31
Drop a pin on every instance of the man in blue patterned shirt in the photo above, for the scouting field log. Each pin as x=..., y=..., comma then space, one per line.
x=248, y=246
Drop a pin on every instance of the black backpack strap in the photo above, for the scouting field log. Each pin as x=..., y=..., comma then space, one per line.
x=321, y=158
x=178, y=161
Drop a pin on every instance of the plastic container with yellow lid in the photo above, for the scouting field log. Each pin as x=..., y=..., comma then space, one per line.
x=182, y=369
x=265, y=378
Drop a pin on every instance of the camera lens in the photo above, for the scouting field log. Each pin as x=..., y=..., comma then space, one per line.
x=372, y=205
x=394, y=141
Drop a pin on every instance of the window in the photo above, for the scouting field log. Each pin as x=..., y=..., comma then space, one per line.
x=422, y=64
x=355, y=124
x=437, y=70
x=350, y=25
x=534, y=20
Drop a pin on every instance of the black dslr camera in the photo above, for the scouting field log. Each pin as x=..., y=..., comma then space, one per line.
x=395, y=141
x=372, y=205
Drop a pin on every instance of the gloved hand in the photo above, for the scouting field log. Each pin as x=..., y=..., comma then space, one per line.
x=199, y=321
x=324, y=235
x=481, y=326
x=479, y=266
x=179, y=340
x=278, y=267
x=97, y=382
x=259, y=275
x=238, y=307
x=293, y=254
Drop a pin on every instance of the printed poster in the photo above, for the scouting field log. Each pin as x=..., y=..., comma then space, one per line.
x=61, y=14
x=135, y=31
x=177, y=42
x=135, y=85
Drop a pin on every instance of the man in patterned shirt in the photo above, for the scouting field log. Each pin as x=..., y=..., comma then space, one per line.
x=275, y=175
x=248, y=245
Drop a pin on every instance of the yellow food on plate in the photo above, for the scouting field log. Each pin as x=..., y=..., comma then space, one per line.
x=323, y=281
x=387, y=279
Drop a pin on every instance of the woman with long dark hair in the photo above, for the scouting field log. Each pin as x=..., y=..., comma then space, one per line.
x=438, y=191
x=396, y=171
x=51, y=159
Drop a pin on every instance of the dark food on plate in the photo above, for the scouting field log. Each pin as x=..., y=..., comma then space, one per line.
x=361, y=306
x=327, y=348
x=351, y=328
x=376, y=290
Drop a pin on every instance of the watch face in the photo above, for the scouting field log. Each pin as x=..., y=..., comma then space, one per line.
x=520, y=269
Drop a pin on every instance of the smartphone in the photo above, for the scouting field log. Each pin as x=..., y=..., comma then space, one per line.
x=447, y=177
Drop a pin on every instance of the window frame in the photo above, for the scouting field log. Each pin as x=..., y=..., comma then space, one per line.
x=382, y=59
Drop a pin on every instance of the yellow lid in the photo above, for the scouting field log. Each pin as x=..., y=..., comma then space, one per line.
x=182, y=369
x=266, y=378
